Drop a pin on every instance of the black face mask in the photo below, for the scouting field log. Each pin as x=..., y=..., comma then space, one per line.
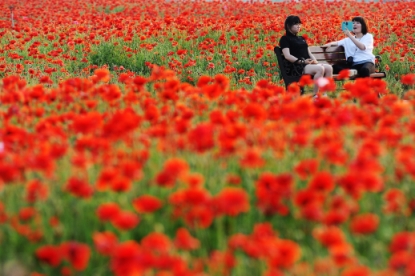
x=349, y=61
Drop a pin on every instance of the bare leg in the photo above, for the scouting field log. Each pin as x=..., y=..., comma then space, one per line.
x=328, y=70
x=314, y=69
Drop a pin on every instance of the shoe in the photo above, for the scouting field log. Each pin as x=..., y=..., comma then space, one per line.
x=352, y=73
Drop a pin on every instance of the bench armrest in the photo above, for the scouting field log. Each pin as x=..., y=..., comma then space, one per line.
x=378, y=63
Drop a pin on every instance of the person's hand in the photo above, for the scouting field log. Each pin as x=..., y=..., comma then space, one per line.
x=310, y=61
x=347, y=33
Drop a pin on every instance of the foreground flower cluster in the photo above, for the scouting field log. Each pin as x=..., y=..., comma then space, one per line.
x=161, y=176
x=153, y=138
x=55, y=40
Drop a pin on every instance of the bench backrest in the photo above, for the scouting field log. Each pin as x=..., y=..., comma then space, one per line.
x=329, y=55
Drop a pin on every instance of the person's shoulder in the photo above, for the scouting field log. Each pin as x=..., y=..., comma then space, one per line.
x=369, y=35
x=284, y=37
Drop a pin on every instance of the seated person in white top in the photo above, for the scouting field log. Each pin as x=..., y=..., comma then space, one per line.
x=358, y=49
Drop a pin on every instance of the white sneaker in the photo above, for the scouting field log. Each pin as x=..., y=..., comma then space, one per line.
x=352, y=72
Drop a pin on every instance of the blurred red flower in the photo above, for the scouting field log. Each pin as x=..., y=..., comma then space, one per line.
x=254, y=111
x=102, y=74
x=125, y=220
x=322, y=182
x=185, y=241
x=105, y=242
x=201, y=138
x=408, y=79
x=79, y=187
x=156, y=242
x=232, y=201
x=35, y=191
x=108, y=211
x=77, y=254
x=49, y=254
x=364, y=224
x=147, y=204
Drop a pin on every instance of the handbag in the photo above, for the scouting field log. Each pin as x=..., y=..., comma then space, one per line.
x=294, y=69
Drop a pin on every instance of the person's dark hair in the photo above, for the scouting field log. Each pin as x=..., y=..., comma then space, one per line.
x=290, y=21
x=362, y=21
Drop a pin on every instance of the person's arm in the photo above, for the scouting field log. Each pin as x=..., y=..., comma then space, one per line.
x=288, y=56
x=358, y=44
x=312, y=59
x=330, y=44
x=293, y=59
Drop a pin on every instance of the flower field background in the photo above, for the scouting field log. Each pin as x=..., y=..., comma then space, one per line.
x=147, y=138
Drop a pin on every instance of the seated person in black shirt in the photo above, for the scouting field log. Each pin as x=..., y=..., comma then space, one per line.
x=295, y=50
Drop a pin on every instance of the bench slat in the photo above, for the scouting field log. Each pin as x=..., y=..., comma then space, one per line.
x=333, y=49
x=329, y=56
x=332, y=62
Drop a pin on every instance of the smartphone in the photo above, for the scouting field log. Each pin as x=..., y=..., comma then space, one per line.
x=347, y=25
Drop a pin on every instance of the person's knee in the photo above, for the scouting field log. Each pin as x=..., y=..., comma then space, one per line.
x=328, y=69
x=364, y=72
x=320, y=70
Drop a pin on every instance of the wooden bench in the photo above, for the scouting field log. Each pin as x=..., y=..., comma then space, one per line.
x=330, y=55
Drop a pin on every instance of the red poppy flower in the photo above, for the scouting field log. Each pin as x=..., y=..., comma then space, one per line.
x=306, y=80
x=306, y=168
x=147, y=204
x=402, y=241
x=102, y=74
x=285, y=254
x=252, y=159
x=126, y=259
x=173, y=169
x=342, y=254
x=254, y=111
x=201, y=138
x=49, y=254
x=108, y=211
x=156, y=242
x=105, y=242
x=232, y=201
x=408, y=79
x=357, y=271
x=87, y=123
x=35, y=190
x=329, y=236
x=400, y=260
x=344, y=74
x=125, y=220
x=194, y=180
x=364, y=224
x=77, y=254
x=185, y=241
x=79, y=187
x=322, y=182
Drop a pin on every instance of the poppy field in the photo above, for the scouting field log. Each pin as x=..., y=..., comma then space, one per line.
x=157, y=138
